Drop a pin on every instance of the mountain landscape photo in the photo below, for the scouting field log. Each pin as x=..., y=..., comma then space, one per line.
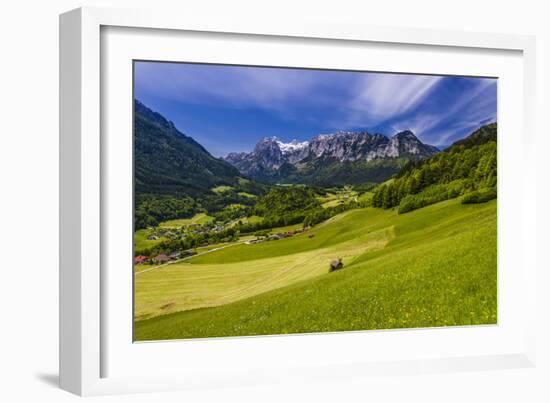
x=273, y=201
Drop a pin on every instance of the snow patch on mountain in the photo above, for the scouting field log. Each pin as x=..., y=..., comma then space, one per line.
x=293, y=146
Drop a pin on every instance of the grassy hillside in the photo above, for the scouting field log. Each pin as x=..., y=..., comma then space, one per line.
x=199, y=218
x=141, y=242
x=435, y=266
x=352, y=225
x=214, y=279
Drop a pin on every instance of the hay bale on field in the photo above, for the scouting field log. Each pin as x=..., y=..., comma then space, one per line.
x=336, y=265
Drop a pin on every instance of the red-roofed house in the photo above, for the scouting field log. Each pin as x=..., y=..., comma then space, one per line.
x=140, y=259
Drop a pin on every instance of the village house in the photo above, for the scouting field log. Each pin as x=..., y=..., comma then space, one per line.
x=161, y=258
x=140, y=259
x=174, y=255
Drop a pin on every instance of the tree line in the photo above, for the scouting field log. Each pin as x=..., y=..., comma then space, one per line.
x=461, y=169
x=190, y=241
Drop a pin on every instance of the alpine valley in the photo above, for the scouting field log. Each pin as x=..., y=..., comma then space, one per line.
x=345, y=231
x=175, y=175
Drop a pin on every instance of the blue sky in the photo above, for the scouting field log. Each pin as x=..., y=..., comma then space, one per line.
x=229, y=108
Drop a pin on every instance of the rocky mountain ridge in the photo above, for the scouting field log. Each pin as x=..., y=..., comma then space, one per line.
x=271, y=154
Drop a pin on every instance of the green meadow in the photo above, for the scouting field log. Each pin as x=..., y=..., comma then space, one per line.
x=198, y=219
x=342, y=196
x=434, y=266
x=222, y=189
x=141, y=241
x=245, y=194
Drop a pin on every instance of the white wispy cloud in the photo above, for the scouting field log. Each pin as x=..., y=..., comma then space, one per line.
x=469, y=109
x=383, y=96
x=266, y=88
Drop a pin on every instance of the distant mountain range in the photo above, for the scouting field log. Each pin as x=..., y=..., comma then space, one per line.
x=168, y=162
x=331, y=159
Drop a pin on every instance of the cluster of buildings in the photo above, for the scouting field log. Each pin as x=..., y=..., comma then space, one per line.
x=172, y=233
x=161, y=258
x=180, y=233
x=280, y=235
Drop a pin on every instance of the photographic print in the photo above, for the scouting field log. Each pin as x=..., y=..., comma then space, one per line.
x=275, y=200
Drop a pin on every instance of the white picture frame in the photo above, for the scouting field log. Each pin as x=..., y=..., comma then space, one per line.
x=86, y=346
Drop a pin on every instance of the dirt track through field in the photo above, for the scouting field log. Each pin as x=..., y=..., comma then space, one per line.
x=188, y=257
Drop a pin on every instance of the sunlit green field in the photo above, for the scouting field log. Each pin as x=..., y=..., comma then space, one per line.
x=142, y=267
x=221, y=188
x=252, y=219
x=249, y=195
x=336, y=198
x=141, y=241
x=140, y=237
x=435, y=266
x=199, y=219
x=365, y=196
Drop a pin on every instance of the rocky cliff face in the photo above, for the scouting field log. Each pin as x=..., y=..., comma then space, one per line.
x=347, y=146
x=407, y=144
x=270, y=154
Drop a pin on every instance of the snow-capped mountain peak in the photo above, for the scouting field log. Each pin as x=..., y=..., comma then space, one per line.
x=293, y=146
x=270, y=153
